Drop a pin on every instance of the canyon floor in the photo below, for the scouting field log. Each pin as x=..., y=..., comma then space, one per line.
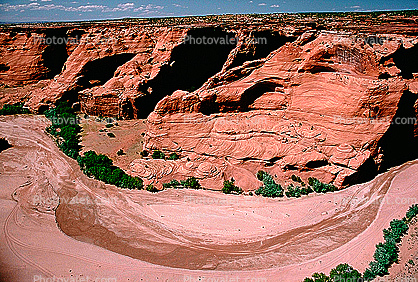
x=100, y=231
x=332, y=96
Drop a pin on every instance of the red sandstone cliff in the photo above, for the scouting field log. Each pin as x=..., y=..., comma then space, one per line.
x=309, y=102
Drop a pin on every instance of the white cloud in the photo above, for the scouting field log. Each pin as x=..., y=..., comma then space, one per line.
x=7, y=7
x=274, y=6
x=120, y=7
x=180, y=6
x=126, y=6
x=262, y=4
x=355, y=7
x=150, y=8
x=49, y=7
x=86, y=8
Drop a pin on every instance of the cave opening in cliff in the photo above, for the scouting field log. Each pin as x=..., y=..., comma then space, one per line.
x=255, y=92
x=95, y=73
x=55, y=54
x=98, y=71
x=399, y=144
x=190, y=66
x=265, y=42
x=244, y=104
x=4, y=67
x=406, y=60
x=4, y=144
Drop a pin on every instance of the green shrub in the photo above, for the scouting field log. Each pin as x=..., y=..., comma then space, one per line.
x=173, y=156
x=368, y=275
x=65, y=128
x=412, y=212
x=306, y=190
x=230, y=187
x=342, y=272
x=385, y=254
x=173, y=184
x=120, y=152
x=260, y=175
x=191, y=183
x=270, y=188
x=101, y=167
x=109, y=125
x=318, y=277
x=157, y=154
x=151, y=188
x=111, y=135
x=14, y=109
x=296, y=178
x=320, y=187
x=293, y=191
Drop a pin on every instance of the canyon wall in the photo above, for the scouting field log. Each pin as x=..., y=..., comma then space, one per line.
x=329, y=98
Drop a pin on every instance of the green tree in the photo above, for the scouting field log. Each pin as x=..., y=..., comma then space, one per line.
x=151, y=188
x=230, y=187
x=191, y=183
x=173, y=156
x=14, y=109
x=260, y=175
x=172, y=184
x=318, y=277
x=412, y=212
x=157, y=154
x=343, y=272
x=270, y=188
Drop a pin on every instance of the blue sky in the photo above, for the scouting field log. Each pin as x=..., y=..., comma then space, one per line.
x=74, y=10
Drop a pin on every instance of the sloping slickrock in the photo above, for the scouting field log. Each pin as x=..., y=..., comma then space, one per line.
x=313, y=110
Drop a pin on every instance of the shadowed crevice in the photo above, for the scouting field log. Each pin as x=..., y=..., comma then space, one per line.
x=191, y=65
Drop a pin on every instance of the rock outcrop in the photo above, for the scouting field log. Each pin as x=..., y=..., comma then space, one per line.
x=302, y=101
x=317, y=109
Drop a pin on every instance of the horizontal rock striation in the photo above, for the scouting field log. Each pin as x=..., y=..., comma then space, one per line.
x=290, y=94
x=315, y=109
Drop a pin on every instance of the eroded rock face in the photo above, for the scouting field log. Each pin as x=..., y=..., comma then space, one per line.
x=317, y=109
x=307, y=102
x=21, y=59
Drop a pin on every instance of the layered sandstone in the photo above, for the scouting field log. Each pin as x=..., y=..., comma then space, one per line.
x=315, y=109
x=308, y=101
